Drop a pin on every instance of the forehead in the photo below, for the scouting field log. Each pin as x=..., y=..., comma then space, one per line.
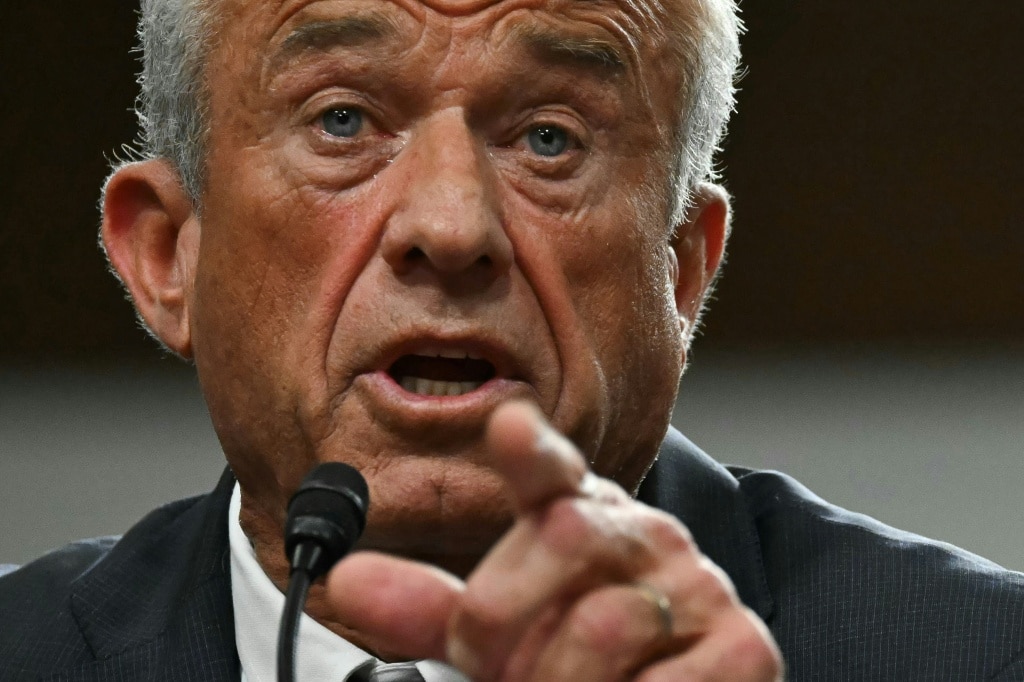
x=634, y=31
x=646, y=14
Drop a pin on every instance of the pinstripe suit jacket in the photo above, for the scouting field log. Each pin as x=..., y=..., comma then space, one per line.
x=846, y=597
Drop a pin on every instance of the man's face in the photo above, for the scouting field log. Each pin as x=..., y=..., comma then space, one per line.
x=416, y=211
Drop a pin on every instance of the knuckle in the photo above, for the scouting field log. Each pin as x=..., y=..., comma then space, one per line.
x=752, y=652
x=613, y=535
x=668, y=534
x=596, y=625
x=565, y=524
x=478, y=611
x=711, y=586
x=593, y=536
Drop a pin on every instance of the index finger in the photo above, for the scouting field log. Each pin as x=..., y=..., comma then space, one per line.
x=538, y=463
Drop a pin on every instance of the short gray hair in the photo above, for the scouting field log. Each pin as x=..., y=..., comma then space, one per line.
x=173, y=102
x=709, y=52
x=175, y=37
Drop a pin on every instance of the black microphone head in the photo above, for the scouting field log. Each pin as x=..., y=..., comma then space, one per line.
x=328, y=512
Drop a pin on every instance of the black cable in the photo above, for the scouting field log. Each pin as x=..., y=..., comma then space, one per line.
x=288, y=639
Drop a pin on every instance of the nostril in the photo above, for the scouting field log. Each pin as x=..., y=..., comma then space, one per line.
x=415, y=255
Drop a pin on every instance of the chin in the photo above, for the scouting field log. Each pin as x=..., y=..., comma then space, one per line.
x=457, y=549
x=434, y=509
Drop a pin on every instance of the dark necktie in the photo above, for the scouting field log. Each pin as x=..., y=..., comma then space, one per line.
x=395, y=672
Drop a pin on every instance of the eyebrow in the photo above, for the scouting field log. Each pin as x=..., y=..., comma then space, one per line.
x=322, y=36
x=558, y=48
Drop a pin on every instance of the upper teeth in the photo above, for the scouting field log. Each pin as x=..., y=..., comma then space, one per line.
x=452, y=353
x=438, y=388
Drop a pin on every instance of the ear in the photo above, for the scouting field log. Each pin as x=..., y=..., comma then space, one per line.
x=699, y=245
x=151, y=235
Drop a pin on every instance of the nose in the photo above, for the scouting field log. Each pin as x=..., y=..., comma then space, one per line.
x=448, y=219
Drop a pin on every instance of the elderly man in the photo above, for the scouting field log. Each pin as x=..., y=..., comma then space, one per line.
x=462, y=245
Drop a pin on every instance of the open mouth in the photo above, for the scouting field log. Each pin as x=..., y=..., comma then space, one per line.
x=441, y=373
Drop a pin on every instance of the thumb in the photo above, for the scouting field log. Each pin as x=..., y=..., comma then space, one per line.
x=400, y=608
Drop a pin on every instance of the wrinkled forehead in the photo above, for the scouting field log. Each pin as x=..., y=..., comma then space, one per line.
x=644, y=16
x=641, y=34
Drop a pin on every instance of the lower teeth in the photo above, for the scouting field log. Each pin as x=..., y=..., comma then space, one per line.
x=429, y=387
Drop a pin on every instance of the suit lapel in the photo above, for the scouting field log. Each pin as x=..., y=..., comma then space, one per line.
x=158, y=606
x=703, y=495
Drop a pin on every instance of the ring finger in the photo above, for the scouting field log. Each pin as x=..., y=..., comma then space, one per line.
x=609, y=634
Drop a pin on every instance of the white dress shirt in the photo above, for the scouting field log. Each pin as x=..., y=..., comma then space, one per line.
x=320, y=655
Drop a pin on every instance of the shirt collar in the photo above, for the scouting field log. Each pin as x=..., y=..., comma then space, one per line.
x=321, y=654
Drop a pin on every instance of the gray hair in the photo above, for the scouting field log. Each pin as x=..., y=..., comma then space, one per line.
x=709, y=52
x=175, y=38
x=173, y=102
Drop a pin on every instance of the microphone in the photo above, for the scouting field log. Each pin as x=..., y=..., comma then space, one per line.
x=326, y=516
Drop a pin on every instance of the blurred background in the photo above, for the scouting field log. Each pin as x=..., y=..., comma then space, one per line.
x=867, y=337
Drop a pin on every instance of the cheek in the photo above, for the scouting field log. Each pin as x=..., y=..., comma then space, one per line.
x=621, y=281
x=277, y=247
x=275, y=266
x=618, y=270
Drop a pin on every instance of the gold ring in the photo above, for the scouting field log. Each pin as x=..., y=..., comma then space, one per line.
x=660, y=601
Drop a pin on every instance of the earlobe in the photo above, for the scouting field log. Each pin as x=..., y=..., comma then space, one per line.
x=699, y=246
x=151, y=236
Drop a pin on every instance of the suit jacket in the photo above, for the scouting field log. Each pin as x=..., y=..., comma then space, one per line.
x=846, y=597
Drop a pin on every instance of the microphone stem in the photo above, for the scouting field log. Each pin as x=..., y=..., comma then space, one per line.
x=294, y=602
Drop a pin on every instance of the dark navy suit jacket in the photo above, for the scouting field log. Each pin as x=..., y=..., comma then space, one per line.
x=846, y=597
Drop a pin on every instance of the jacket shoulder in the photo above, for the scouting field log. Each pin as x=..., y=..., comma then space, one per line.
x=41, y=629
x=857, y=599
x=35, y=607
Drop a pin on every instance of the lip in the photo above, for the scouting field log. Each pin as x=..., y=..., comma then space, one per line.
x=398, y=406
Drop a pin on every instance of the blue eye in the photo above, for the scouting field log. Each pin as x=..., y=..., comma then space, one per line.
x=548, y=140
x=342, y=122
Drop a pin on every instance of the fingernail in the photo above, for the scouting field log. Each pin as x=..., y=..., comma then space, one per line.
x=589, y=484
x=548, y=441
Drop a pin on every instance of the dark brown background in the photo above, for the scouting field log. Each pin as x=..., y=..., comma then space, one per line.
x=875, y=162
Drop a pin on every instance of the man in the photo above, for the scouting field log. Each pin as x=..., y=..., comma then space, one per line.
x=463, y=245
